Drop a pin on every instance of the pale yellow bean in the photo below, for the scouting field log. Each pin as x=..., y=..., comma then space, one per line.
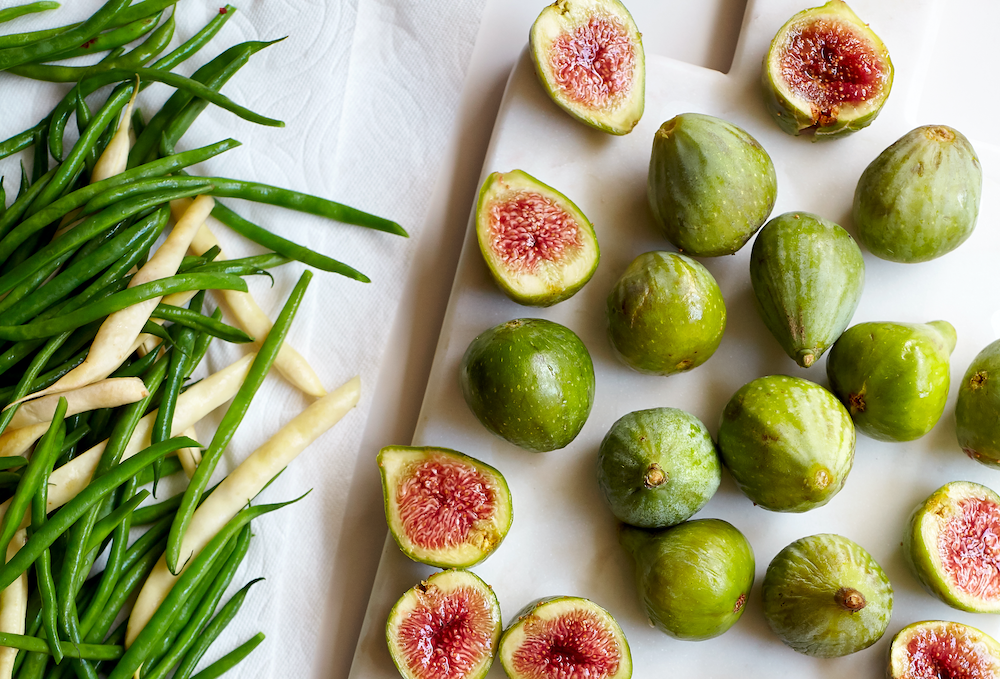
x=13, y=607
x=110, y=393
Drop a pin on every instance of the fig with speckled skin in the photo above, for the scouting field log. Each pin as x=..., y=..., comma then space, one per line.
x=977, y=411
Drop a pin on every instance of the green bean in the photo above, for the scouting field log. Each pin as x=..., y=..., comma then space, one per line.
x=201, y=344
x=14, y=56
x=201, y=322
x=116, y=37
x=8, y=479
x=24, y=200
x=3, y=199
x=139, y=187
x=41, y=156
x=140, y=10
x=171, y=465
x=11, y=13
x=91, y=651
x=157, y=330
x=33, y=283
x=32, y=626
x=139, y=367
x=104, y=527
x=197, y=41
x=74, y=437
x=29, y=375
x=190, y=262
x=20, y=141
x=231, y=659
x=244, y=266
x=12, y=462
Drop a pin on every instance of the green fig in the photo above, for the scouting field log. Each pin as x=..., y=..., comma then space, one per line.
x=788, y=442
x=825, y=596
x=920, y=198
x=657, y=467
x=977, y=412
x=893, y=377
x=693, y=578
x=807, y=275
x=934, y=649
x=710, y=184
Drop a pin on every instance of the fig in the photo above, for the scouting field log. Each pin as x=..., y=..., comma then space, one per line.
x=538, y=245
x=564, y=636
x=788, y=442
x=893, y=377
x=825, y=596
x=588, y=56
x=710, y=184
x=443, y=508
x=693, y=578
x=530, y=381
x=920, y=198
x=826, y=72
x=937, y=648
x=951, y=546
x=807, y=275
x=657, y=467
x=665, y=314
x=977, y=411
x=446, y=627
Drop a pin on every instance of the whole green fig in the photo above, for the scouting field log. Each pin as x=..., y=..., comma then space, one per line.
x=977, y=412
x=807, y=275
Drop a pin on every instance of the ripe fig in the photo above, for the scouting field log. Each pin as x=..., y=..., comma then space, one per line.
x=893, y=377
x=693, y=578
x=588, y=55
x=710, y=184
x=825, y=596
x=564, y=636
x=977, y=411
x=538, y=245
x=951, y=546
x=665, y=314
x=529, y=381
x=788, y=442
x=826, y=72
x=807, y=275
x=443, y=508
x=920, y=198
x=936, y=648
x=657, y=467
x=446, y=627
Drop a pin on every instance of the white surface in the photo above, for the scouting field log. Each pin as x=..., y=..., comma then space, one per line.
x=563, y=539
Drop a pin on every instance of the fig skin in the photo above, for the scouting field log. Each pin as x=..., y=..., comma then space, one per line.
x=793, y=111
x=893, y=377
x=788, y=443
x=665, y=314
x=927, y=536
x=919, y=199
x=710, y=184
x=657, y=467
x=624, y=88
x=938, y=648
x=551, y=278
x=807, y=275
x=977, y=411
x=693, y=578
x=530, y=381
x=825, y=596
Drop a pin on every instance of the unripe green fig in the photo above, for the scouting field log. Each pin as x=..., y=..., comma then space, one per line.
x=977, y=412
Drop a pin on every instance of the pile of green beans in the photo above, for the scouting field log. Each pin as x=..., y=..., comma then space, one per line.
x=58, y=284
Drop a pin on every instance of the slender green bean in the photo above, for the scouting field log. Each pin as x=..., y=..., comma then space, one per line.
x=11, y=13
x=171, y=466
x=137, y=368
x=116, y=37
x=139, y=187
x=29, y=375
x=21, y=141
x=157, y=330
x=41, y=157
x=37, y=645
x=231, y=659
x=244, y=266
x=12, y=462
x=197, y=41
x=140, y=10
x=24, y=200
x=33, y=283
x=14, y=56
x=106, y=526
x=191, y=319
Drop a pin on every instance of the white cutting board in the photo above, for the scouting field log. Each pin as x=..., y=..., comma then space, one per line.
x=564, y=540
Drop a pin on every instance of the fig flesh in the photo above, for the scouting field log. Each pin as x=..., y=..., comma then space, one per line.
x=443, y=508
x=693, y=578
x=807, y=275
x=826, y=72
x=788, y=442
x=665, y=314
x=446, y=627
x=952, y=549
x=589, y=58
x=920, y=198
x=893, y=377
x=977, y=411
x=564, y=636
x=530, y=381
x=538, y=245
x=825, y=596
x=937, y=648
x=710, y=184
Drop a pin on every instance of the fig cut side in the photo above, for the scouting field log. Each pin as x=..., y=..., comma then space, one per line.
x=937, y=648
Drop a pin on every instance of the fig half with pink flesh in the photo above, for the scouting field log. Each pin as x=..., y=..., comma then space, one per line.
x=951, y=545
x=446, y=627
x=539, y=246
x=565, y=636
x=588, y=55
x=443, y=508
x=936, y=648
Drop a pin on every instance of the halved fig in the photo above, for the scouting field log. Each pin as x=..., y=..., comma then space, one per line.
x=443, y=508
x=446, y=627
x=826, y=72
x=565, y=636
x=951, y=545
x=936, y=648
x=588, y=55
x=537, y=243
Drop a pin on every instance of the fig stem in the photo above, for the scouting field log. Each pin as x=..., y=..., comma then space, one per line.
x=655, y=476
x=850, y=599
